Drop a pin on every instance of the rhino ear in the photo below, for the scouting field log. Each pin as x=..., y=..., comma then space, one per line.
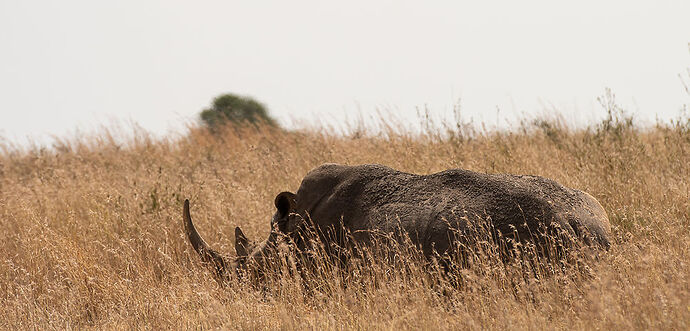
x=241, y=243
x=285, y=204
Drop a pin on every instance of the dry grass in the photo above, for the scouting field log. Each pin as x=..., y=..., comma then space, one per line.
x=91, y=232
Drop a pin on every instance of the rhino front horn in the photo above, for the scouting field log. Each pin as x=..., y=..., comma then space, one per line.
x=207, y=255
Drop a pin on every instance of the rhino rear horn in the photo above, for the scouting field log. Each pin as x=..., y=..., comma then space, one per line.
x=242, y=244
x=200, y=246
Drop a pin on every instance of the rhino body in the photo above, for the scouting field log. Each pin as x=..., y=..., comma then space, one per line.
x=345, y=207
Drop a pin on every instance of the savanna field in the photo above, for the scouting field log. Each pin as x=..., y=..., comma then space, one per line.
x=91, y=232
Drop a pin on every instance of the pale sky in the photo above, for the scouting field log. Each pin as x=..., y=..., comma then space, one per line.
x=77, y=64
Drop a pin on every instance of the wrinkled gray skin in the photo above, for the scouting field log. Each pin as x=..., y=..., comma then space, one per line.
x=434, y=211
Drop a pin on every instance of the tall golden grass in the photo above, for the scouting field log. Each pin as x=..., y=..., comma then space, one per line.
x=91, y=231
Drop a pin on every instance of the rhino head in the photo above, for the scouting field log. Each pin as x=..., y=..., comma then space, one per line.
x=253, y=257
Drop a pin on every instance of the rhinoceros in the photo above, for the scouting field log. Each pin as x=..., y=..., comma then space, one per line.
x=350, y=206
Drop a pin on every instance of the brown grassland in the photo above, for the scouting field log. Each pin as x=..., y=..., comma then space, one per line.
x=91, y=231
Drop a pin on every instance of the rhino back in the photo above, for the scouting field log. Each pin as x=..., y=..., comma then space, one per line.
x=433, y=209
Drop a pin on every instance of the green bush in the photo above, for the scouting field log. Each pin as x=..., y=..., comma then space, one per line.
x=237, y=110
